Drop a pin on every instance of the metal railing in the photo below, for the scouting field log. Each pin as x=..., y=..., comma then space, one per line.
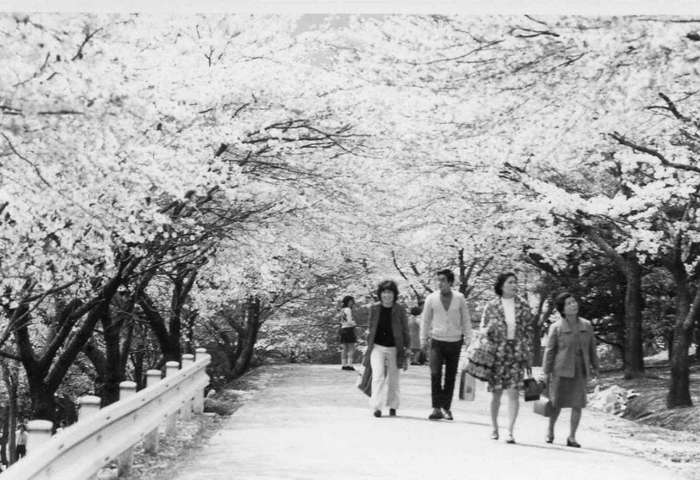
x=102, y=435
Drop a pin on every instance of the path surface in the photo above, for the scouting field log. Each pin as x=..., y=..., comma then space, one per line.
x=310, y=422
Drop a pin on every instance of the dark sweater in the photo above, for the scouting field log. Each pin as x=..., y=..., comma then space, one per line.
x=385, y=335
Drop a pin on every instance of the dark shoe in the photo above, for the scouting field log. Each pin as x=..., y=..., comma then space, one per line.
x=447, y=414
x=377, y=413
x=572, y=443
x=392, y=412
x=510, y=439
x=344, y=367
x=350, y=367
x=436, y=415
x=549, y=438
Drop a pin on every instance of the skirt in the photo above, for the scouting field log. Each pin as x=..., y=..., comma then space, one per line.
x=347, y=335
x=567, y=392
x=507, y=372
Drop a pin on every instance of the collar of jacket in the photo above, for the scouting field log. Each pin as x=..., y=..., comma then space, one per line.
x=582, y=326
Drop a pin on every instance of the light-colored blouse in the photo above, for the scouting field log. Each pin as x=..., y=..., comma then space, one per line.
x=509, y=310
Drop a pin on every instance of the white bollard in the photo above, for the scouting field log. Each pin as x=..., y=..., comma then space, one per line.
x=186, y=410
x=171, y=368
x=150, y=443
x=38, y=433
x=198, y=404
x=125, y=461
x=89, y=405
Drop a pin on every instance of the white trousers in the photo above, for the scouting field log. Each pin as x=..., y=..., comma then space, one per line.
x=385, y=378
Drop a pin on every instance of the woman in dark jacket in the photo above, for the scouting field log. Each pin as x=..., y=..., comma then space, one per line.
x=569, y=360
x=387, y=342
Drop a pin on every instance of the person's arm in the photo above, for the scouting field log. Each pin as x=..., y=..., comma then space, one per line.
x=550, y=351
x=466, y=321
x=426, y=323
x=405, y=329
x=484, y=323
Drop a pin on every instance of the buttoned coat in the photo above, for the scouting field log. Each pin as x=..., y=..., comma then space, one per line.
x=560, y=353
x=399, y=328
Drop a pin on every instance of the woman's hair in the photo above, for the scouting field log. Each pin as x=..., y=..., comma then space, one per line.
x=560, y=301
x=347, y=299
x=416, y=310
x=500, y=280
x=388, y=285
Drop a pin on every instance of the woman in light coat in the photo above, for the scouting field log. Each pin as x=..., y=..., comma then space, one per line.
x=387, y=342
x=570, y=358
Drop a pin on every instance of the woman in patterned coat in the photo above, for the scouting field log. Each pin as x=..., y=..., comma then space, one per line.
x=508, y=322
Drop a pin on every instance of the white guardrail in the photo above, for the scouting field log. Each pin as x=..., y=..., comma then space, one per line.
x=101, y=435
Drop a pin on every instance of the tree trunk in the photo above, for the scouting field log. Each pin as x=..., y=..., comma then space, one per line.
x=246, y=343
x=10, y=380
x=634, y=341
x=686, y=317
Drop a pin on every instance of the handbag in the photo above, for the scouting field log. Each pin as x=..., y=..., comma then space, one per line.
x=364, y=381
x=482, y=356
x=467, y=387
x=543, y=407
x=532, y=390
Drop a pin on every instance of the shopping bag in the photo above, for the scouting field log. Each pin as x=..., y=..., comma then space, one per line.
x=364, y=380
x=467, y=387
x=543, y=407
x=482, y=356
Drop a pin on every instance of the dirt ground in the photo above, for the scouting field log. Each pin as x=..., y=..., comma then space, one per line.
x=668, y=438
x=647, y=428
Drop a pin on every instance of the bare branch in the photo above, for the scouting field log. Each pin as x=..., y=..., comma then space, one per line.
x=88, y=37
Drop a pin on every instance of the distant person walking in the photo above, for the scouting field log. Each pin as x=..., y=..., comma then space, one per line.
x=507, y=322
x=414, y=322
x=570, y=358
x=347, y=333
x=446, y=325
x=386, y=348
x=21, y=441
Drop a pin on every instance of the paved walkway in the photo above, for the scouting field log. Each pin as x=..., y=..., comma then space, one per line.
x=310, y=422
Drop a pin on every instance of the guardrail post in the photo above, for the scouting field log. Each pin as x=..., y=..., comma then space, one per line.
x=171, y=368
x=186, y=410
x=89, y=405
x=38, y=433
x=126, y=459
x=150, y=442
x=198, y=404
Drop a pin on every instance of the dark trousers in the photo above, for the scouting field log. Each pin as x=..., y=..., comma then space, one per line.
x=446, y=353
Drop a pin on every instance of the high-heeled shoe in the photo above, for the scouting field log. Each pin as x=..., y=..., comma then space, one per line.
x=494, y=435
x=510, y=438
x=572, y=443
x=549, y=438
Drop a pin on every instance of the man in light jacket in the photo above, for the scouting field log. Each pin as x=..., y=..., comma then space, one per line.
x=444, y=328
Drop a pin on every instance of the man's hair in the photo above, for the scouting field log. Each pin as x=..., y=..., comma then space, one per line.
x=416, y=310
x=448, y=274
